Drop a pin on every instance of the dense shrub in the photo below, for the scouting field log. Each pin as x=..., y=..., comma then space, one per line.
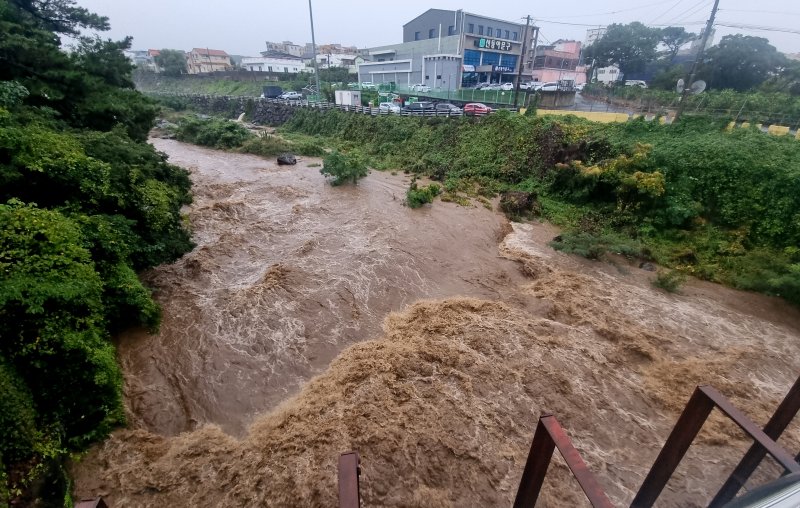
x=669, y=280
x=344, y=167
x=265, y=145
x=418, y=196
x=84, y=204
x=212, y=132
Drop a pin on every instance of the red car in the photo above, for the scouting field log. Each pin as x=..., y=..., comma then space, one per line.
x=476, y=108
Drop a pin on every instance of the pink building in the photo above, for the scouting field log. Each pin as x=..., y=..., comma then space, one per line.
x=559, y=61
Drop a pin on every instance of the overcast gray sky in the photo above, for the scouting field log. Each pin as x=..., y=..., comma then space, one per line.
x=240, y=27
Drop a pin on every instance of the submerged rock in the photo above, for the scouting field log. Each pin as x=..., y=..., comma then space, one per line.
x=287, y=158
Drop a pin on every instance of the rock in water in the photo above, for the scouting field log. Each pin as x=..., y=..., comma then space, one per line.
x=518, y=203
x=286, y=158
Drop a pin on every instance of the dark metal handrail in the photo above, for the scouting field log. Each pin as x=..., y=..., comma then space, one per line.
x=782, y=417
x=703, y=401
x=349, y=471
x=548, y=436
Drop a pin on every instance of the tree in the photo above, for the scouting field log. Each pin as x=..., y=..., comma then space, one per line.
x=630, y=47
x=742, y=62
x=344, y=168
x=788, y=81
x=172, y=62
x=60, y=16
x=674, y=38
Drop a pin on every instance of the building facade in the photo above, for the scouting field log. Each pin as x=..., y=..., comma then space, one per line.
x=559, y=61
x=448, y=49
x=201, y=60
x=275, y=62
x=607, y=75
x=287, y=47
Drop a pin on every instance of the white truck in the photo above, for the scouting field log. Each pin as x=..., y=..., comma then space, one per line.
x=348, y=97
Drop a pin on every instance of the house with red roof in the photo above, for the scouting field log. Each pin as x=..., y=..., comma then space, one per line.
x=200, y=60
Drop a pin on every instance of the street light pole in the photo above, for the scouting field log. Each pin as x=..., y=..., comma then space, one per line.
x=314, y=52
x=521, y=62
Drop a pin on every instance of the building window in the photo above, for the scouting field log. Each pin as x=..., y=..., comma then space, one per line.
x=508, y=34
x=285, y=69
x=431, y=33
x=451, y=30
x=480, y=29
x=259, y=68
x=514, y=36
x=509, y=61
x=270, y=68
x=489, y=31
x=498, y=33
x=416, y=36
x=427, y=77
x=491, y=58
x=471, y=28
x=472, y=57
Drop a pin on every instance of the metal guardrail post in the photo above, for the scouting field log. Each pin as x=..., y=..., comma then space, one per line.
x=781, y=419
x=548, y=436
x=348, y=472
x=694, y=415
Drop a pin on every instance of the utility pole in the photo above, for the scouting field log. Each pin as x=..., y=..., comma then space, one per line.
x=688, y=84
x=314, y=51
x=521, y=63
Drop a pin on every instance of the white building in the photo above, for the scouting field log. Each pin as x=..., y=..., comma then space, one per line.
x=287, y=47
x=606, y=75
x=275, y=63
x=346, y=60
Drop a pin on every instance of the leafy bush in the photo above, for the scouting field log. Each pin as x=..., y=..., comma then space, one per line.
x=343, y=167
x=265, y=145
x=418, y=196
x=669, y=280
x=212, y=132
x=593, y=246
x=309, y=149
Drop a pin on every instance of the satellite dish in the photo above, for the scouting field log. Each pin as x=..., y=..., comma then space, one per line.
x=698, y=86
x=681, y=85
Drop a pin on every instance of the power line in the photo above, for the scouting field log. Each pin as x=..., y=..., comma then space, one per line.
x=759, y=27
x=762, y=12
x=615, y=12
x=665, y=12
x=700, y=4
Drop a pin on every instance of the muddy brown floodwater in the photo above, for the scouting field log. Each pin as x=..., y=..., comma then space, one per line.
x=312, y=320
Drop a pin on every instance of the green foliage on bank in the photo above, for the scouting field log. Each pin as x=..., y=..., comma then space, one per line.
x=722, y=206
x=417, y=196
x=85, y=204
x=344, y=168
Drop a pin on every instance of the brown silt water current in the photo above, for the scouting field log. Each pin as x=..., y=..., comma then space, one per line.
x=312, y=320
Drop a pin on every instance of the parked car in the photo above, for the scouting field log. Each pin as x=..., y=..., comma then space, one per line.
x=291, y=96
x=418, y=108
x=528, y=85
x=636, y=82
x=481, y=86
x=368, y=85
x=507, y=86
x=352, y=85
x=476, y=108
x=388, y=107
x=420, y=87
x=579, y=87
x=446, y=107
x=551, y=86
x=493, y=86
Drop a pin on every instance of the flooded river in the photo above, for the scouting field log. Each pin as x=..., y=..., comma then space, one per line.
x=311, y=320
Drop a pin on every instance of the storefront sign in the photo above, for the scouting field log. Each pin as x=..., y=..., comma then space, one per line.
x=502, y=68
x=496, y=44
x=469, y=68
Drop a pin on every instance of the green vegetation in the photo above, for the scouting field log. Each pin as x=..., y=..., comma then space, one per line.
x=344, y=167
x=669, y=280
x=418, y=196
x=85, y=203
x=722, y=206
x=212, y=132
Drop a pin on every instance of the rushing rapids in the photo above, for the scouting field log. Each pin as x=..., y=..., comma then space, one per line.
x=311, y=320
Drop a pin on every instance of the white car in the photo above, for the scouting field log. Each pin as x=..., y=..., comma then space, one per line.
x=388, y=107
x=291, y=96
x=636, y=82
x=493, y=86
x=549, y=87
x=507, y=86
x=368, y=85
x=420, y=87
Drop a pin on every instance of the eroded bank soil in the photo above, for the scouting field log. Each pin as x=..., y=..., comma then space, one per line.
x=264, y=371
